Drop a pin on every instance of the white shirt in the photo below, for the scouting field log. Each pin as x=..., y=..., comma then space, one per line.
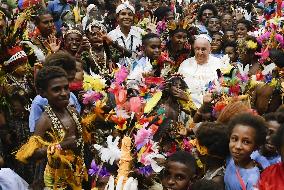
x=130, y=42
x=198, y=76
x=9, y=180
x=135, y=76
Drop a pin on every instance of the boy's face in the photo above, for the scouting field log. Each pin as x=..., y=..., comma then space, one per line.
x=177, y=176
x=242, y=143
x=269, y=149
x=57, y=92
x=153, y=48
x=230, y=36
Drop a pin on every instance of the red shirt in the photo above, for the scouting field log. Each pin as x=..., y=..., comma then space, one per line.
x=272, y=178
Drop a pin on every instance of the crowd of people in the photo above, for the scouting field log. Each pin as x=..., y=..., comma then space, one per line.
x=141, y=94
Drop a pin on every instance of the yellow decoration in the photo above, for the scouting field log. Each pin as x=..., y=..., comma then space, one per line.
x=121, y=128
x=201, y=149
x=76, y=12
x=153, y=102
x=28, y=149
x=273, y=82
x=188, y=105
x=96, y=83
x=125, y=161
x=227, y=70
x=251, y=44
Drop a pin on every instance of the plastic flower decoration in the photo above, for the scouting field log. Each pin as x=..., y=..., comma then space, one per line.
x=94, y=82
x=148, y=154
x=251, y=44
x=96, y=170
x=153, y=102
x=111, y=152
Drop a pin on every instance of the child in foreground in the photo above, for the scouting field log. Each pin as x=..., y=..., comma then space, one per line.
x=180, y=171
x=247, y=133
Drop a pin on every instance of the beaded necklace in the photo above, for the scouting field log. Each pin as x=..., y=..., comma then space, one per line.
x=100, y=62
x=58, y=128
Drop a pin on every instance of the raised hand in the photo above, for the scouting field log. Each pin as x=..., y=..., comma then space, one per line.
x=152, y=26
x=53, y=43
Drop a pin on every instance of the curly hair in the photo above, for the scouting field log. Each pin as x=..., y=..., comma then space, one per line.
x=207, y=6
x=46, y=74
x=253, y=121
x=247, y=23
x=231, y=110
x=185, y=158
x=278, y=138
x=61, y=59
x=218, y=143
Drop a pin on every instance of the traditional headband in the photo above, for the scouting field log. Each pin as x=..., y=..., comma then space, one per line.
x=124, y=5
x=98, y=24
x=72, y=31
x=204, y=36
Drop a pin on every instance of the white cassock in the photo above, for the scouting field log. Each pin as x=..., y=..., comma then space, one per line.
x=198, y=76
x=9, y=180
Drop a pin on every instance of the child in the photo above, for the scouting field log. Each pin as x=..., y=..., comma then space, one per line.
x=247, y=133
x=273, y=176
x=230, y=48
x=217, y=150
x=180, y=171
x=152, y=50
x=268, y=155
x=58, y=133
x=68, y=63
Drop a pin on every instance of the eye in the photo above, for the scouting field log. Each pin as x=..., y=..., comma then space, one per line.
x=246, y=142
x=233, y=139
x=180, y=177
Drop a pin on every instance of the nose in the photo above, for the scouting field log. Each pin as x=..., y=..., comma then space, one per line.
x=238, y=145
x=171, y=181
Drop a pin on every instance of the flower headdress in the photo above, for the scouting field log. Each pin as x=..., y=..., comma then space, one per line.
x=178, y=25
x=97, y=24
x=125, y=5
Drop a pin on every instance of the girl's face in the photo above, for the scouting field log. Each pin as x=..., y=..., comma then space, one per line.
x=242, y=143
x=178, y=40
x=125, y=18
x=230, y=51
x=177, y=176
x=216, y=43
x=241, y=31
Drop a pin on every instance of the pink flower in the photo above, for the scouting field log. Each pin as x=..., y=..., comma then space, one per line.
x=280, y=39
x=91, y=97
x=142, y=137
x=121, y=75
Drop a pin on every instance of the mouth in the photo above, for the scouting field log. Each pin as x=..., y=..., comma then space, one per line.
x=269, y=147
x=236, y=155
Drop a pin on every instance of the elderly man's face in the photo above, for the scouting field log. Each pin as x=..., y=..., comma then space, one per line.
x=202, y=49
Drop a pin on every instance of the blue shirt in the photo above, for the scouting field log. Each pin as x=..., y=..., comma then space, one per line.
x=265, y=161
x=250, y=177
x=38, y=105
x=56, y=6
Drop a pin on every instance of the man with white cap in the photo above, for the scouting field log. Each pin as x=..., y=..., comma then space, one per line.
x=126, y=35
x=200, y=69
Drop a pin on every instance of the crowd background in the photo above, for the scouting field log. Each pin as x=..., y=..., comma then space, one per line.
x=156, y=94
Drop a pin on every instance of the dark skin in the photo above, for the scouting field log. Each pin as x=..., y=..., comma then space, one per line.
x=242, y=144
x=152, y=48
x=261, y=97
x=268, y=149
x=178, y=41
x=72, y=42
x=57, y=93
x=125, y=20
x=177, y=176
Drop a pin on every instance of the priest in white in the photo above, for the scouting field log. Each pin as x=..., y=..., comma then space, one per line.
x=200, y=69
